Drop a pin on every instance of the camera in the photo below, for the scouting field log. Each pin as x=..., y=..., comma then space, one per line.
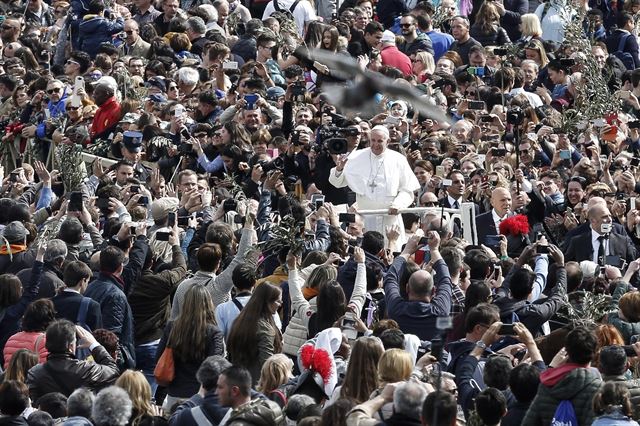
x=333, y=138
x=185, y=149
x=515, y=116
x=229, y=205
x=275, y=164
x=298, y=91
x=567, y=63
x=500, y=52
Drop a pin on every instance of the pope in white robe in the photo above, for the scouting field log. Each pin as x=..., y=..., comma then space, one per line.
x=381, y=179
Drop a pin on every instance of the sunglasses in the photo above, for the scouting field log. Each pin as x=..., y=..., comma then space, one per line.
x=405, y=25
x=72, y=108
x=430, y=204
x=54, y=90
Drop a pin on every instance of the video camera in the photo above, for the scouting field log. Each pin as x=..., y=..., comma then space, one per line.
x=332, y=138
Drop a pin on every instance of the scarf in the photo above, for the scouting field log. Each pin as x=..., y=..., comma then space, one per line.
x=116, y=278
x=12, y=248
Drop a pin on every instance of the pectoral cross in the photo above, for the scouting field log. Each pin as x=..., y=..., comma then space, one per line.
x=372, y=184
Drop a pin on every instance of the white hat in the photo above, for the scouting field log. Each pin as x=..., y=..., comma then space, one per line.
x=388, y=37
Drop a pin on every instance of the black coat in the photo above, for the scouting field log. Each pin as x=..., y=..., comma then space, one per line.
x=580, y=248
x=67, y=304
x=485, y=226
x=497, y=37
x=630, y=46
x=50, y=282
x=514, y=9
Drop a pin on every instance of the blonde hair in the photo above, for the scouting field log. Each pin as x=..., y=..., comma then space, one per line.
x=139, y=391
x=427, y=61
x=530, y=25
x=322, y=274
x=275, y=372
x=395, y=365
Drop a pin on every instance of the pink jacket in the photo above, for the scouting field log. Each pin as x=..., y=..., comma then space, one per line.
x=32, y=340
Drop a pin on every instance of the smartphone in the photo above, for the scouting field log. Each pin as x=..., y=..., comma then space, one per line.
x=507, y=330
x=423, y=255
x=185, y=133
x=447, y=182
x=486, y=118
x=351, y=250
x=230, y=65
x=635, y=162
x=251, y=100
x=347, y=217
x=162, y=236
x=183, y=221
x=499, y=152
x=171, y=219
x=237, y=219
x=178, y=111
x=143, y=201
x=317, y=200
x=497, y=270
x=391, y=120
x=476, y=105
x=134, y=189
x=542, y=250
x=565, y=154
x=75, y=202
x=492, y=240
x=440, y=171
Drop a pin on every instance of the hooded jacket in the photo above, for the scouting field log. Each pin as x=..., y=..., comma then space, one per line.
x=572, y=382
x=95, y=30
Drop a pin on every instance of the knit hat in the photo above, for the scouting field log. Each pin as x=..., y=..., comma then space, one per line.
x=15, y=233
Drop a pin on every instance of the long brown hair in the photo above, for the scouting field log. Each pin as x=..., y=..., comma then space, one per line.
x=487, y=17
x=188, y=337
x=242, y=338
x=362, y=373
x=21, y=361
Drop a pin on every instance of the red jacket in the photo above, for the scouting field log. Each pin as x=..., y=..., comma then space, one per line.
x=32, y=340
x=392, y=57
x=106, y=116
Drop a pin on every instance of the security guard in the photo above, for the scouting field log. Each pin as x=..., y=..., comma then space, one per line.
x=131, y=150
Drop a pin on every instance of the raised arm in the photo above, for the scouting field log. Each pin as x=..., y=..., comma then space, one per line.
x=360, y=287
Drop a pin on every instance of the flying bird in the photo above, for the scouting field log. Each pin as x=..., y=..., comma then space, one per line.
x=360, y=97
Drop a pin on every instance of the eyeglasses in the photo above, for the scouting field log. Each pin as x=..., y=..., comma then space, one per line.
x=469, y=94
x=430, y=204
x=72, y=108
x=173, y=87
x=524, y=151
x=54, y=90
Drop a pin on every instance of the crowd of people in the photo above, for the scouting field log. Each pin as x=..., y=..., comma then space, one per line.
x=203, y=223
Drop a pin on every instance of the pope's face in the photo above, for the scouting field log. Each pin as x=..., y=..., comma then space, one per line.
x=378, y=142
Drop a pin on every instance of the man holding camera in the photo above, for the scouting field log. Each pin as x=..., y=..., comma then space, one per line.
x=381, y=179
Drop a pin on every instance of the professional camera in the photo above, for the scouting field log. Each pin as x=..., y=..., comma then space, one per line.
x=515, y=116
x=333, y=139
x=275, y=164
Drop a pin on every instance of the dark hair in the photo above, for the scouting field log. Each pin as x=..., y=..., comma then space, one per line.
x=96, y=7
x=82, y=58
x=612, y=361
x=372, y=242
x=523, y=382
x=240, y=377
x=53, y=403
x=209, y=256
x=374, y=275
x=482, y=314
x=74, y=272
x=373, y=27
x=332, y=304
x=40, y=418
x=496, y=372
x=111, y=259
x=60, y=334
x=522, y=283
x=581, y=345
x=39, y=314
x=10, y=290
x=336, y=413
x=108, y=339
x=392, y=338
x=477, y=292
x=209, y=371
x=479, y=263
x=221, y=233
x=71, y=231
x=241, y=342
x=244, y=276
x=446, y=406
x=613, y=394
x=454, y=259
x=14, y=397
x=623, y=18
x=491, y=406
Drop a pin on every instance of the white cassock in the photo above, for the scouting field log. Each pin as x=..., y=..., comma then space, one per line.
x=380, y=182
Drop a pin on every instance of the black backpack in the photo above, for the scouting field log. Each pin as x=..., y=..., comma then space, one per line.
x=287, y=12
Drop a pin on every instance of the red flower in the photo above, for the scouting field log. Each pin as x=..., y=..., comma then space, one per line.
x=516, y=226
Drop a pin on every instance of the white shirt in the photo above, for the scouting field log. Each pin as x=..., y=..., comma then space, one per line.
x=553, y=21
x=596, y=245
x=452, y=201
x=302, y=14
x=533, y=98
x=497, y=219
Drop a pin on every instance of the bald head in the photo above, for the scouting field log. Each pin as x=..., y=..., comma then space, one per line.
x=501, y=201
x=598, y=215
x=420, y=286
x=594, y=201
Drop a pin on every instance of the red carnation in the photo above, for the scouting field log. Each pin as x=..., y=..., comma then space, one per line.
x=516, y=226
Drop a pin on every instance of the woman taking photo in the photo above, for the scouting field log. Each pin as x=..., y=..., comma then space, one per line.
x=487, y=29
x=193, y=336
x=254, y=335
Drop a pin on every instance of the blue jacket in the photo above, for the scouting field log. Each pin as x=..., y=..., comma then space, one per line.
x=56, y=109
x=95, y=30
x=115, y=309
x=417, y=317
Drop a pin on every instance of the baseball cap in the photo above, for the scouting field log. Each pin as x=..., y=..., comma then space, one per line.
x=157, y=82
x=273, y=93
x=388, y=37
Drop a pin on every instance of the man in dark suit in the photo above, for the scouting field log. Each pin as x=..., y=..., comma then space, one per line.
x=623, y=40
x=600, y=242
x=68, y=303
x=455, y=191
x=489, y=223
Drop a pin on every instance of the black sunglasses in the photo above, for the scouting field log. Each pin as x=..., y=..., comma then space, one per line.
x=54, y=90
